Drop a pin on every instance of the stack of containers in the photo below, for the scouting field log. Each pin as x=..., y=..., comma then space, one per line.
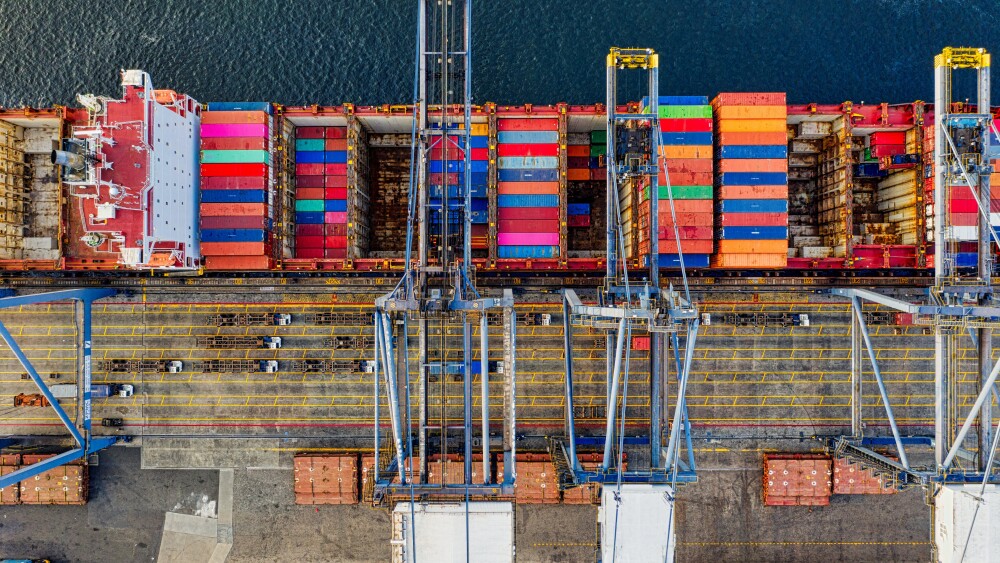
x=578, y=161
x=236, y=211
x=686, y=153
x=598, y=154
x=578, y=214
x=479, y=162
x=528, y=187
x=321, y=192
x=752, y=180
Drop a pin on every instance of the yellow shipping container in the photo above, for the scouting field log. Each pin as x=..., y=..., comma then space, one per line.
x=750, y=125
x=686, y=151
x=480, y=129
x=753, y=246
x=751, y=112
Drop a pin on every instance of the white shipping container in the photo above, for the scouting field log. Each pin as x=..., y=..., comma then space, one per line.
x=816, y=252
x=954, y=506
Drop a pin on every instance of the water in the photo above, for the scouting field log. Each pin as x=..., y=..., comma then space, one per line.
x=328, y=52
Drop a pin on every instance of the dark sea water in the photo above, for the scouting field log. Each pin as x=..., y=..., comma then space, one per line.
x=327, y=52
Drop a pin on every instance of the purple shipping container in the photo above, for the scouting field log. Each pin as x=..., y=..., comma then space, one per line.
x=233, y=130
x=527, y=239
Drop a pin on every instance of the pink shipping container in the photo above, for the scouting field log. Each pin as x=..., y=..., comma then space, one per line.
x=528, y=239
x=335, y=217
x=528, y=124
x=233, y=130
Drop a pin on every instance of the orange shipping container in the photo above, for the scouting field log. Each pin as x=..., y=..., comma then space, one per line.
x=753, y=247
x=753, y=192
x=8, y=464
x=689, y=165
x=853, y=479
x=326, y=479
x=686, y=151
x=308, y=193
x=233, y=209
x=744, y=138
x=685, y=206
x=685, y=218
x=578, y=150
x=536, y=482
x=336, y=144
x=753, y=165
x=238, y=263
x=688, y=246
x=578, y=174
x=684, y=178
x=750, y=260
x=528, y=188
x=750, y=126
x=234, y=248
x=751, y=112
x=749, y=99
x=229, y=117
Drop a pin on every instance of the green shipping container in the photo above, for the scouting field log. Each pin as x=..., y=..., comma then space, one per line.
x=598, y=150
x=235, y=157
x=686, y=192
x=599, y=136
x=310, y=205
x=685, y=112
x=310, y=145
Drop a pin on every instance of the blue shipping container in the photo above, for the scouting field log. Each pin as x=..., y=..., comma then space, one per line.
x=233, y=235
x=677, y=101
x=233, y=196
x=753, y=179
x=753, y=151
x=526, y=175
x=752, y=206
x=527, y=251
x=753, y=233
x=454, y=191
x=527, y=137
x=309, y=217
x=335, y=205
x=673, y=139
x=869, y=170
x=336, y=157
x=966, y=259
x=480, y=142
x=527, y=201
x=478, y=203
x=309, y=157
x=577, y=209
x=690, y=260
x=437, y=166
x=240, y=106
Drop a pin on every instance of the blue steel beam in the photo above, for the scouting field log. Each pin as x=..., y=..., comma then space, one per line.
x=86, y=294
x=30, y=471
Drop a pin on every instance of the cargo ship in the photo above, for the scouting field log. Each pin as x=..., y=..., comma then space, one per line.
x=154, y=181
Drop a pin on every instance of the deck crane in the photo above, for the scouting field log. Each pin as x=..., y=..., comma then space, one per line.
x=435, y=295
x=636, y=514
x=963, y=482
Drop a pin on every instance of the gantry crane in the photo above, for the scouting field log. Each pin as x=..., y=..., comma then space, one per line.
x=436, y=295
x=636, y=514
x=963, y=481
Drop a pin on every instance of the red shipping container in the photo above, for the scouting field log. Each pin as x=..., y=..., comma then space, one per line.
x=230, y=209
x=578, y=175
x=688, y=206
x=309, y=230
x=309, y=169
x=308, y=193
x=528, y=124
x=578, y=220
x=640, y=343
x=685, y=178
x=598, y=173
x=505, y=149
x=336, y=144
x=753, y=219
x=879, y=151
x=528, y=226
x=309, y=132
x=964, y=219
x=964, y=206
x=234, y=143
x=335, y=169
x=750, y=99
x=453, y=153
x=582, y=151
x=694, y=125
x=336, y=132
x=752, y=138
x=528, y=188
x=578, y=162
x=235, y=248
x=335, y=193
x=504, y=213
x=438, y=178
x=335, y=181
x=335, y=253
x=753, y=192
x=309, y=241
x=961, y=192
x=243, y=263
x=680, y=165
x=335, y=242
x=334, y=229
x=888, y=138
x=233, y=222
x=691, y=219
x=686, y=232
x=302, y=252
x=233, y=183
x=309, y=181
x=688, y=246
x=234, y=170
